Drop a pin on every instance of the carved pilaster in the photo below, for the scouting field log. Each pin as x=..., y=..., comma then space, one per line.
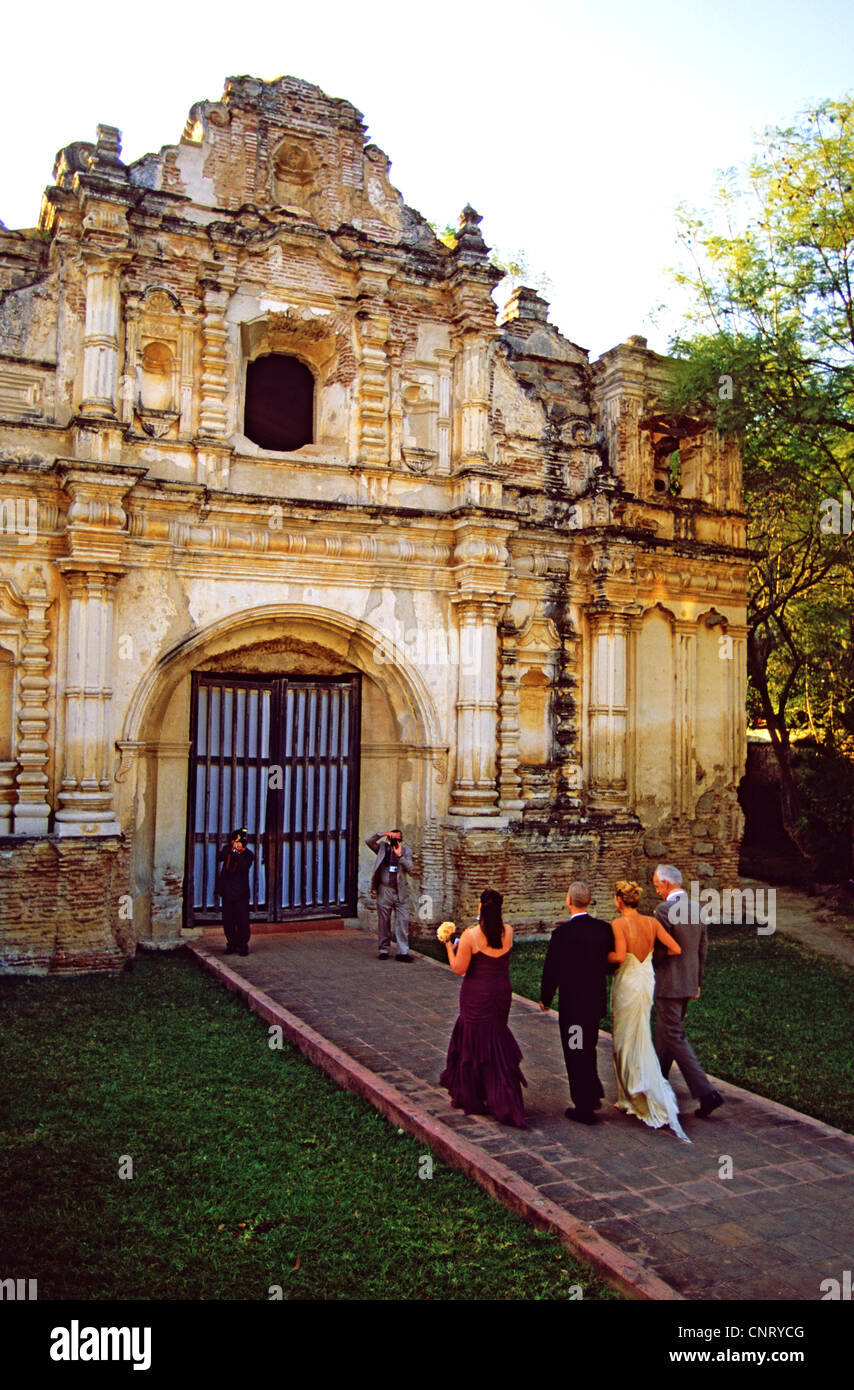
x=31, y=812
x=736, y=700
x=374, y=444
x=395, y=405
x=474, y=792
x=7, y=796
x=685, y=638
x=213, y=408
x=473, y=365
x=608, y=710
x=509, y=782
x=86, y=790
x=101, y=336
x=127, y=385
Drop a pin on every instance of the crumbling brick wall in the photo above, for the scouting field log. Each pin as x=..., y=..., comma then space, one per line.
x=64, y=907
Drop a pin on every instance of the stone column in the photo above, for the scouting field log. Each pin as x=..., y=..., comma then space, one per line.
x=95, y=534
x=31, y=811
x=735, y=733
x=213, y=411
x=509, y=781
x=608, y=704
x=474, y=403
x=213, y=449
x=443, y=422
x=86, y=790
x=101, y=337
x=374, y=445
x=474, y=792
x=685, y=665
x=127, y=385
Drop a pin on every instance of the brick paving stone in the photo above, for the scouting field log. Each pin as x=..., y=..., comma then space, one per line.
x=805, y=1247
x=773, y=1230
x=804, y=1171
x=671, y=1198
x=733, y=1235
x=557, y=1191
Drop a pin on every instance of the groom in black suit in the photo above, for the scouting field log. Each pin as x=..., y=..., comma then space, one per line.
x=576, y=965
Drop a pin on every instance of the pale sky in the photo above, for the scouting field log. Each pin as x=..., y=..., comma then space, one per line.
x=574, y=127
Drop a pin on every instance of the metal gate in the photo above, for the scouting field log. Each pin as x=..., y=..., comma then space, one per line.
x=280, y=756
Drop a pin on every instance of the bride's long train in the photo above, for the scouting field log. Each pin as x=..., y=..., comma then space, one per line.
x=641, y=1088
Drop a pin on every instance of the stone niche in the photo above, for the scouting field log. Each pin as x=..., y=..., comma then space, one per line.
x=158, y=378
x=294, y=169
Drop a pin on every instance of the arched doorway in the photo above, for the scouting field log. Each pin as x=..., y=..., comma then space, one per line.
x=402, y=756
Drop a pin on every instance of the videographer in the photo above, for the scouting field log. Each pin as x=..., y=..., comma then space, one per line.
x=390, y=887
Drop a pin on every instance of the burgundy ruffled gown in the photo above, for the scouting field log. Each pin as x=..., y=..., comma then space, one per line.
x=482, y=1071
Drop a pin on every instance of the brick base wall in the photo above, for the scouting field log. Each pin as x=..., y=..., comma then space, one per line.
x=61, y=908
x=533, y=865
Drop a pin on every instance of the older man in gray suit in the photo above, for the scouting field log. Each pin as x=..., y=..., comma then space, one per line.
x=677, y=981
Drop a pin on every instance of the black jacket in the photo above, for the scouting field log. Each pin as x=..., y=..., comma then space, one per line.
x=577, y=965
x=232, y=879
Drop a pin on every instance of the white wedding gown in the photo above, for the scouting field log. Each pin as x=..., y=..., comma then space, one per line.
x=641, y=1088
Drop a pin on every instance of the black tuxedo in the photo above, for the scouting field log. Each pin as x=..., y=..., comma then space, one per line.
x=576, y=965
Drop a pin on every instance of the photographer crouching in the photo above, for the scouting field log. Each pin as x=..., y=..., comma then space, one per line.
x=390, y=887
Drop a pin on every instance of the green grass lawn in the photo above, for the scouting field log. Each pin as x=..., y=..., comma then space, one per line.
x=250, y=1167
x=772, y=1017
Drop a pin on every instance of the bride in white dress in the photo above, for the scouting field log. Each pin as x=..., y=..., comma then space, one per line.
x=641, y=1088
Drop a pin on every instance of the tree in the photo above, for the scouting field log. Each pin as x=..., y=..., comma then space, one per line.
x=769, y=349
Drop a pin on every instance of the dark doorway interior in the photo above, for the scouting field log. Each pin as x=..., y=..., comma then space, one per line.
x=279, y=756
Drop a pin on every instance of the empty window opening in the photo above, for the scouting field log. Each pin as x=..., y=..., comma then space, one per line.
x=279, y=411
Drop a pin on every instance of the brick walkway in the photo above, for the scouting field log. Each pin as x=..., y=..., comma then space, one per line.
x=650, y=1213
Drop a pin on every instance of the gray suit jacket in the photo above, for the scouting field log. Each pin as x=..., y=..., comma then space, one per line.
x=404, y=863
x=679, y=977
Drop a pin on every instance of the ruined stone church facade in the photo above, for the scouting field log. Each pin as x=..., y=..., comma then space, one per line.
x=296, y=535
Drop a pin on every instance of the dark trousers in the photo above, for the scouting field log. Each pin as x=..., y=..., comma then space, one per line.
x=584, y=1084
x=671, y=1046
x=235, y=921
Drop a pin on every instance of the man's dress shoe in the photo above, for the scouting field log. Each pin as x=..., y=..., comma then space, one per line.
x=708, y=1104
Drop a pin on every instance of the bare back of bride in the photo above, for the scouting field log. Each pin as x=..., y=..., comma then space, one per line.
x=641, y=1088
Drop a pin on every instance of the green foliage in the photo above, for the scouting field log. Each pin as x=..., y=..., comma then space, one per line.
x=768, y=352
x=825, y=780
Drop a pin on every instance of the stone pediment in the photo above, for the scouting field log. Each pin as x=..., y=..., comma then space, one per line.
x=285, y=147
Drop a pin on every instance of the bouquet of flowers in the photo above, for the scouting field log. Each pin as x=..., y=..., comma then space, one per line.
x=446, y=931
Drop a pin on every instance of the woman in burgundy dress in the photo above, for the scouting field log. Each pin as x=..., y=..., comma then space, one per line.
x=482, y=1072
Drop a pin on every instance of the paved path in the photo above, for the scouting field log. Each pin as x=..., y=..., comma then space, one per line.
x=653, y=1215
x=808, y=920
